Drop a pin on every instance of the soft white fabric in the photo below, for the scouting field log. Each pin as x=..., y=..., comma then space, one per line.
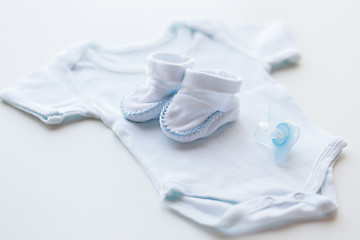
x=165, y=73
x=206, y=101
x=226, y=181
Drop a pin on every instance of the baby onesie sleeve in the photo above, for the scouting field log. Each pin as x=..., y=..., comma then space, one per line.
x=50, y=93
x=271, y=43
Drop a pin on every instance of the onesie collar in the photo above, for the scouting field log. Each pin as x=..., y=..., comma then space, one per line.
x=206, y=27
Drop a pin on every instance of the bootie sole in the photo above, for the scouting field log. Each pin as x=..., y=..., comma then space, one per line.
x=208, y=127
x=143, y=115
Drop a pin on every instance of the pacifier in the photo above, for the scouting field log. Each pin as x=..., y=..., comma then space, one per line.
x=279, y=133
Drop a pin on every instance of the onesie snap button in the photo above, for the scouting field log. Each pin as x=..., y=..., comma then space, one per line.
x=270, y=200
x=299, y=196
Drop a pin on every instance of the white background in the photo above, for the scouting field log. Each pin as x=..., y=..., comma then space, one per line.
x=79, y=182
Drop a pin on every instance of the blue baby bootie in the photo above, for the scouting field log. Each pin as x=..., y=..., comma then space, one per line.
x=165, y=72
x=279, y=133
x=207, y=100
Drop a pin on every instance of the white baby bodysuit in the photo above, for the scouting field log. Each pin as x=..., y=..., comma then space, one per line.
x=226, y=181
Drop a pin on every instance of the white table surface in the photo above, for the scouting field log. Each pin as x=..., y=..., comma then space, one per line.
x=79, y=182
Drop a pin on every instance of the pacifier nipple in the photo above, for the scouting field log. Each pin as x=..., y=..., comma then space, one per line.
x=277, y=134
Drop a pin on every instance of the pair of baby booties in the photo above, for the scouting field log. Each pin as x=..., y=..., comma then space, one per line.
x=190, y=104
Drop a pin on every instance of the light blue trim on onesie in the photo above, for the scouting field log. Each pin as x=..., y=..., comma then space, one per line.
x=242, y=217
